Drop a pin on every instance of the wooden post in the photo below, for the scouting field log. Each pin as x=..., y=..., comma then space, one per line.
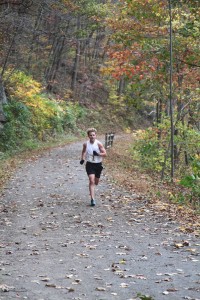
x=109, y=137
x=106, y=140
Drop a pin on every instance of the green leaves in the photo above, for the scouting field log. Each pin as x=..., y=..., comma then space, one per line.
x=188, y=181
x=144, y=297
x=192, y=181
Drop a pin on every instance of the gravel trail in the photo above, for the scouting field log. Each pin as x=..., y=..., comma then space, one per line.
x=54, y=246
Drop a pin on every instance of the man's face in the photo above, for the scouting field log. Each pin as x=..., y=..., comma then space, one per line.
x=92, y=136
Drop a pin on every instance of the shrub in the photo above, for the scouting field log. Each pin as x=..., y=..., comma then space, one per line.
x=149, y=150
x=192, y=181
x=34, y=116
x=17, y=129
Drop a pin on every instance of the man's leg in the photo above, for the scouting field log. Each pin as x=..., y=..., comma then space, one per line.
x=98, y=174
x=92, y=185
x=96, y=181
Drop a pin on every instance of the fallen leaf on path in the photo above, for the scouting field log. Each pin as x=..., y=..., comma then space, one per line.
x=76, y=281
x=123, y=262
x=165, y=293
x=35, y=281
x=82, y=255
x=91, y=247
x=172, y=290
x=101, y=289
x=192, y=250
x=143, y=257
x=124, y=285
x=45, y=279
x=170, y=274
x=141, y=277
x=181, y=245
x=167, y=279
x=97, y=277
x=6, y=288
x=121, y=253
x=50, y=285
x=69, y=276
x=70, y=289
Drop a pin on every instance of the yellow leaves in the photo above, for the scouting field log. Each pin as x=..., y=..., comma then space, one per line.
x=140, y=134
x=171, y=196
x=128, y=130
x=32, y=105
x=45, y=113
x=107, y=70
x=23, y=87
x=180, y=207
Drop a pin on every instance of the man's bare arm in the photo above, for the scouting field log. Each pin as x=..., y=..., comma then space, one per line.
x=102, y=150
x=83, y=151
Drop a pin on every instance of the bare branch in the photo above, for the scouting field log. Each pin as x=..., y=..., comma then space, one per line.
x=14, y=2
x=192, y=65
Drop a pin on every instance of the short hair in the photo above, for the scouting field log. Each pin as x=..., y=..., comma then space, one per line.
x=91, y=130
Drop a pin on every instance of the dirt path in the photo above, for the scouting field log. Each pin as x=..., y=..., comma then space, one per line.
x=54, y=246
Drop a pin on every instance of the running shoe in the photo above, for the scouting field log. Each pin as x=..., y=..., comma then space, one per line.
x=93, y=202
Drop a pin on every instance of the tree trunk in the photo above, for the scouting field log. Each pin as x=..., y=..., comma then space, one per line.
x=121, y=86
x=159, y=108
x=3, y=100
x=76, y=66
x=9, y=51
x=77, y=58
x=177, y=149
x=35, y=33
x=57, y=55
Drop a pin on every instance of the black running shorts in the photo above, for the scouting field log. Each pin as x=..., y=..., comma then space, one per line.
x=94, y=168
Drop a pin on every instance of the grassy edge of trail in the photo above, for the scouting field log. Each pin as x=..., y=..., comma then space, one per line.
x=125, y=172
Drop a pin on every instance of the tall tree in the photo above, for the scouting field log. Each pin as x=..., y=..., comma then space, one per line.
x=42, y=38
x=139, y=54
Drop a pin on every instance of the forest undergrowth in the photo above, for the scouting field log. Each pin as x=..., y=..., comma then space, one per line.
x=148, y=187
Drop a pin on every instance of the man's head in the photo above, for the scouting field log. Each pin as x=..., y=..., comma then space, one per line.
x=91, y=132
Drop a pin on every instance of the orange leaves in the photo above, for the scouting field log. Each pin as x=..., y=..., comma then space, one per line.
x=122, y=62
x=129, y=64
x=121, y=56
x=128, y=71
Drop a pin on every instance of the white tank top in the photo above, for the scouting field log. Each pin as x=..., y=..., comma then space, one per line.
x=89, y=152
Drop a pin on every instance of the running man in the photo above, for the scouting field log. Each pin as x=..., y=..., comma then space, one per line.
x=93, y=151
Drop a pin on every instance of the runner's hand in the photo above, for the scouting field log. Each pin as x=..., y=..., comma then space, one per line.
x=95, y=153
x=82, y=161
